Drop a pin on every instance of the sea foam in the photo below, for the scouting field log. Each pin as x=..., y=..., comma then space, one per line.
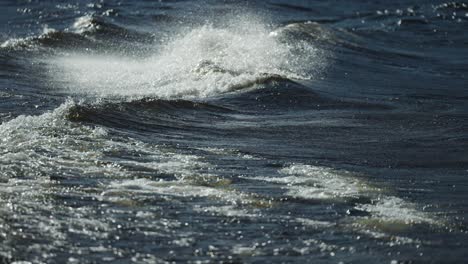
x=204, y=61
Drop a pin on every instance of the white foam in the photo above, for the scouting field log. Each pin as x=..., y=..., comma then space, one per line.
x=85, y=24
x=202, y=62
x=175, y=189
x=26, y=42
x=314, y=223
x=39, y=145
x=230, y=152
x=184, y=241
x=43, y=145
x=394, y=209
x=14, y=42
x=312, y=182
x=244, y=250
x=321, y=245
x=179, y=165
x=229, y=211
x=34, y=148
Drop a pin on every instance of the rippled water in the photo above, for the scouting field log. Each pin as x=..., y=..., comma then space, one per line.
x=273, y=131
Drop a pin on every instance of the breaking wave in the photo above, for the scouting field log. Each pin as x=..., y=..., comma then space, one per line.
x=203, y=62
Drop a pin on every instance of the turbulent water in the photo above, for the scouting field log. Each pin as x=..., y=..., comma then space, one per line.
x=233, y=131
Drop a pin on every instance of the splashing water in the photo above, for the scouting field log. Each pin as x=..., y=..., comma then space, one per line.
x=203, y=62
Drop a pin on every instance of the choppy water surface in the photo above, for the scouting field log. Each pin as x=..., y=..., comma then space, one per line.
x=275, y=131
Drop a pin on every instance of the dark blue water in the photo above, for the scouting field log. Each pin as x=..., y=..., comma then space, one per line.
x=233, y=131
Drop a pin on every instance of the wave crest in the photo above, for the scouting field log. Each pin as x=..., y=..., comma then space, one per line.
x=205, y=61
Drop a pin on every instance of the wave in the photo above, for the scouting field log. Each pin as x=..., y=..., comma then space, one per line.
x=203, y=62
x=157, y=115
x=88, y=32
x=361, y=42
x=30, y=142
x=50, y=160
x=370, y=204
x=147, y=114
x=95, y=26
x=38, y=151
x=49, y=146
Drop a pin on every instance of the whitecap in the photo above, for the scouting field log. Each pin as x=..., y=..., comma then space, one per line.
x=202, y=62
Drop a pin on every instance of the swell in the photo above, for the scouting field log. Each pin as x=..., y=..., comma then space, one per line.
x=209, y=116
x=333, y=38
x=278, y=96
x=365, y=60
x=87, y=32
x=146, y=109
x=54, y=39
x=404, y=34
x=99, y=27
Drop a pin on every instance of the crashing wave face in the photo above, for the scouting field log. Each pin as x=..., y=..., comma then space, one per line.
x=205, y=61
